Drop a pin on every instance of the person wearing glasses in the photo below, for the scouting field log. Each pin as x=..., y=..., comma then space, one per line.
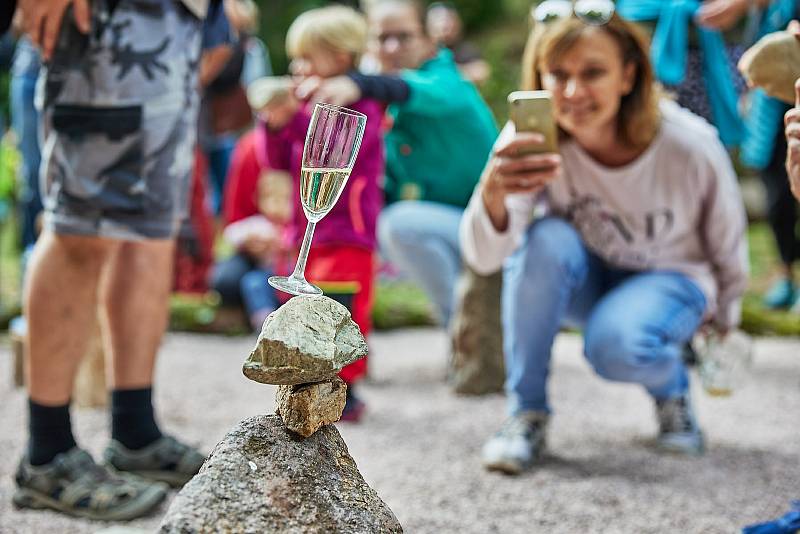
x=445, y=27
x=441, y=134
x=634, y=232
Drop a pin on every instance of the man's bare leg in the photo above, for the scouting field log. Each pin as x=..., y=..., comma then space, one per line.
x=135, y=294
x=135, y=291
x=60, y=307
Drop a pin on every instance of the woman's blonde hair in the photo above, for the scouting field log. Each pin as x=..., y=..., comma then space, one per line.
x=639, y=117
x=334, y=28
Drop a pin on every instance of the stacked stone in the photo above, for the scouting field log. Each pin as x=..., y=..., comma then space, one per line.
x=289, y=472
x=302, y=347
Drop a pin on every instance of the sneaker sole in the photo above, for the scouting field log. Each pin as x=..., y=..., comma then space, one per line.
x=671, y=447
x=507, y=468
x=678, y=450
x=146, y=503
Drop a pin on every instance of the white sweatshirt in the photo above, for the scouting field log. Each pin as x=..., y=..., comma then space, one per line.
x=677, y=207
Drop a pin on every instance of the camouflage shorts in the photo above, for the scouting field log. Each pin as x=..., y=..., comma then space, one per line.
x=119, y=108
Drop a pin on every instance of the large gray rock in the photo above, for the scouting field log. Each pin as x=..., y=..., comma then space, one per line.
x=263, y=478
x=308, y=339
x=476, y=365
x=304, y=408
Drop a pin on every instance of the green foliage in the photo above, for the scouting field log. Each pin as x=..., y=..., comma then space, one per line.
x=202, y=313
x=5, y=79
x=477, y=14
x=758, y=321
x=400, y=304
x=397, y=305
x=502, y=46
x=276, y=17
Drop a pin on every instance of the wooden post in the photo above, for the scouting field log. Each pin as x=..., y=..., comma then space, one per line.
x=89, y=390
x=476, y=364
x=18, y=357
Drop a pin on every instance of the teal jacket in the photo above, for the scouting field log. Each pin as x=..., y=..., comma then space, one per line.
x=440, y=137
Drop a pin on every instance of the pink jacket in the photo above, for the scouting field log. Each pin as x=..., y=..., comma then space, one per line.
x=353, y=219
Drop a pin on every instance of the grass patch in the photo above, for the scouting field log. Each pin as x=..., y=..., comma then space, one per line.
x=401, y=304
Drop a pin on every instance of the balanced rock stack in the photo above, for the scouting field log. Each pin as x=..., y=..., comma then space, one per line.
x=289, y=472
x=302, y=347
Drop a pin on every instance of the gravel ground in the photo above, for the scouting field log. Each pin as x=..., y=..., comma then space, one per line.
x=418, y=445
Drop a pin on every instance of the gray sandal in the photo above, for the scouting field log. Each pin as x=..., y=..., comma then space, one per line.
x=165, y=460
x=75, y=485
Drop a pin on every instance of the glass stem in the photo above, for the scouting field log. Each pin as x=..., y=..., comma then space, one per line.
x=300, y=267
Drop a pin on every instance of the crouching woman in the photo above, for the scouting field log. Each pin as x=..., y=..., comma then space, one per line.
x=634, y=232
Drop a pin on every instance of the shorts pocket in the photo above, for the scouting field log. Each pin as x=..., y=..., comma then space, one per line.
x=100, y=151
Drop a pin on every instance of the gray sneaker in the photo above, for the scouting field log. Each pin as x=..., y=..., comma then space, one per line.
x=165, y=460
x=678, y=429
x=517, y=444
x=75, y=485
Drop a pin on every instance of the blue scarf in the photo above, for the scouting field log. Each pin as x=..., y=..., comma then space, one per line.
x=668, y=53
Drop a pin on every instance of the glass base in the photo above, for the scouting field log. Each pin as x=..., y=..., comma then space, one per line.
x=294, y=286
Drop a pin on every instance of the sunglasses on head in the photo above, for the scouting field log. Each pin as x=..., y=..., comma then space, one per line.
x=592, y=12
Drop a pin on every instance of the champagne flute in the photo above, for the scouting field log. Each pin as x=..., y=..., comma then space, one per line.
x=332, y=143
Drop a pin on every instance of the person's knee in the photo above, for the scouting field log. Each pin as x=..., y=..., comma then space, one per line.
x=252, y=281
x=226, y=279
x=85, y=252
x=552, y=245
x=612, y=350
x=399, y=224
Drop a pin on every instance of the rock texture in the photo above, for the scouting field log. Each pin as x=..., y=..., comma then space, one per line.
x=306, y=407
x=773, y=64
x=262, y=478
x=476, y=365
x=308, y=339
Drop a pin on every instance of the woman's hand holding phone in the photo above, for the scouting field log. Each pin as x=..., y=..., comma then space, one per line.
x=512, y=168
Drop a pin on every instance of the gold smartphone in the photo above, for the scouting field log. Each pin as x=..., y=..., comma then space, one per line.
x=532, y=111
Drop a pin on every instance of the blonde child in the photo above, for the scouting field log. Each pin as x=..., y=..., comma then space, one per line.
x=324, y=43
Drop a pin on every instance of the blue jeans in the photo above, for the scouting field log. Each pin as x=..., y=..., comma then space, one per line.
x=421, y=238
x=25, y=122
x=219, y=160
x=634, y=323
x=241, y=282
x=257, y=294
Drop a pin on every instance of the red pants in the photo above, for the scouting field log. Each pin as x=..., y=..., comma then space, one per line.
x=338, y=263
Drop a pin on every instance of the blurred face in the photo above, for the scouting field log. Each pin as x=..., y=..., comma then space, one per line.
x=444, y=25
x=396, y=37
x=275, y=196
x=588, y=82
x=322, y=63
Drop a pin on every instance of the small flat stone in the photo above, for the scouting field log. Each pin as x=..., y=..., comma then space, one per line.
x=305, y=408
x=308, y=339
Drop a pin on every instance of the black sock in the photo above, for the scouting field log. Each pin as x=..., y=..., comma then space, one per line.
x=50, y=432
x=132, y=420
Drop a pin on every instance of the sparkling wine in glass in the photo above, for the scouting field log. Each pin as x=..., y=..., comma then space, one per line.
x=332, y=143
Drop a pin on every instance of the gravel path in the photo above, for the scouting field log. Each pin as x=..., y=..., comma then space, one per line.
x=418, y=445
